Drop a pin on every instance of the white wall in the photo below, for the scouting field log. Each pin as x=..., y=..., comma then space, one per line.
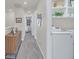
x=10, y=16
x=19, y=12
x=41, y=30
x=49, y=22
x=33, y=24
x=9, y=21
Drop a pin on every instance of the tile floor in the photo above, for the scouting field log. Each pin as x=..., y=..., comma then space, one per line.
x=29, y=49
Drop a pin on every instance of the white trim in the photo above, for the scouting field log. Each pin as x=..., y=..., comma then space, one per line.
x=40, y=48
x=49, y=20
x=23, y=35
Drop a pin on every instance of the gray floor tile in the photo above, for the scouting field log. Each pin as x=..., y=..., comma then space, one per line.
x=29, y=49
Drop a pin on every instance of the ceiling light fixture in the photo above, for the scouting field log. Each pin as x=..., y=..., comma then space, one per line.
x=25, y=3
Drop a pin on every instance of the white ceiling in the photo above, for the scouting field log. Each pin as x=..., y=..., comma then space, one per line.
x=13, y=4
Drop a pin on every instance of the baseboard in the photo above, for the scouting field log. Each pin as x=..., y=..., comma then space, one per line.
x=35, y=37
x=23, y=35
x=39, y=47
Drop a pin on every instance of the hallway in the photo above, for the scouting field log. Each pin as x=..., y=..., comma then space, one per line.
x=29, y=48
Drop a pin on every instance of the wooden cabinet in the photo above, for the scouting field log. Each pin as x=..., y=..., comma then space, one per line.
x=12, y=42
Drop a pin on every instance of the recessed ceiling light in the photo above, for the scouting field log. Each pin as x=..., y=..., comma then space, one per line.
x=25, y=3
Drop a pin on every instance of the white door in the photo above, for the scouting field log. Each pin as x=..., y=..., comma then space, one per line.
x=28, y=23
x=63, y=47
